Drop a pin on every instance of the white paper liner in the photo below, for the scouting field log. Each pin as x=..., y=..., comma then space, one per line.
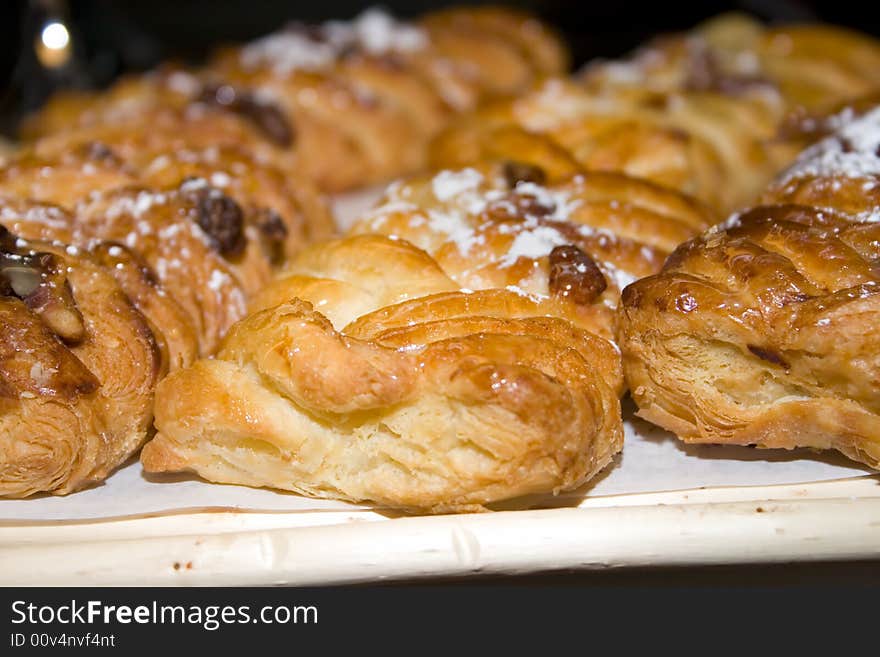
x=653, y=460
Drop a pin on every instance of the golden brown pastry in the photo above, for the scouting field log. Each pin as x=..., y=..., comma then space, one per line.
x=764, y=330
x=705, y=145
x=181, y=216
x=344, y=104
x=439, y=378
x=185, y=191
x=79, y=364
x=378, y=379
x=174, y=330
x=814, y=66
x=175, y=262
x=714, y=113
x=106, y=299
x=168, y=150
x=577, y=242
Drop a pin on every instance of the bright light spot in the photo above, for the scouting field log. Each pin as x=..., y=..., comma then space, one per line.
x=55, y=36
x=53, y=46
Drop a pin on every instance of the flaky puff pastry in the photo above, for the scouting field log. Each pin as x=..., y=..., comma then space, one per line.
x=211, y=223
x=78, y=366
x=416, y=395
x=575, y=243
x=765, y=330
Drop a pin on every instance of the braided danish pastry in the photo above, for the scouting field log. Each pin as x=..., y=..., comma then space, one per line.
x=764, y=330
x=417, y=394
x=182, y=237
x=180, y=212
x=811, y=66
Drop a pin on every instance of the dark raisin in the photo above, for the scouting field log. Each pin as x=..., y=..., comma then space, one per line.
x=269, y=118
x=7, y=240
x=265, y=115
x=574, y=275
x=517, y=172
x=271, y=225
x=96, y=150
x=222, y=220
x=274, y=232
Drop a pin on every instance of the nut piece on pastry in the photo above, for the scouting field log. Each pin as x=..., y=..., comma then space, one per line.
x=173, y=329
x=764, y=330
x=79, y=364
x=444, y=400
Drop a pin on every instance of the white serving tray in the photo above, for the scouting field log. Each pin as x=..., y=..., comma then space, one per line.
x=829, y=520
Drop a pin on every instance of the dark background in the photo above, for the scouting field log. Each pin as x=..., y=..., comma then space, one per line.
x=114, y=36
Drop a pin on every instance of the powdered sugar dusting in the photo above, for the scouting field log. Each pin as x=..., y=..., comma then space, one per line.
x=560, y=202
x=456, y=227
x=521, y=292
x=300, y=48
x=868, y=217
x=377, y=32
x=852, y=152
x=619, y=277
x=218, y=280
x=447, y=185
x=48, y=215
x=183, y=83
x=41, y=375
x=535, y=243
x=136, y=205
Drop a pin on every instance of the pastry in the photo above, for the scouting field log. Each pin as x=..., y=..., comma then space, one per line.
x=100, y=302
x=577, y=242
x=344, y=104
x=714, y=113
x=813, y=66
x=168, y=150
x=184, y=192
x=417, y=395
x=148, y=235
x=454, y=350
x=79, y=364
x=763, y=331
